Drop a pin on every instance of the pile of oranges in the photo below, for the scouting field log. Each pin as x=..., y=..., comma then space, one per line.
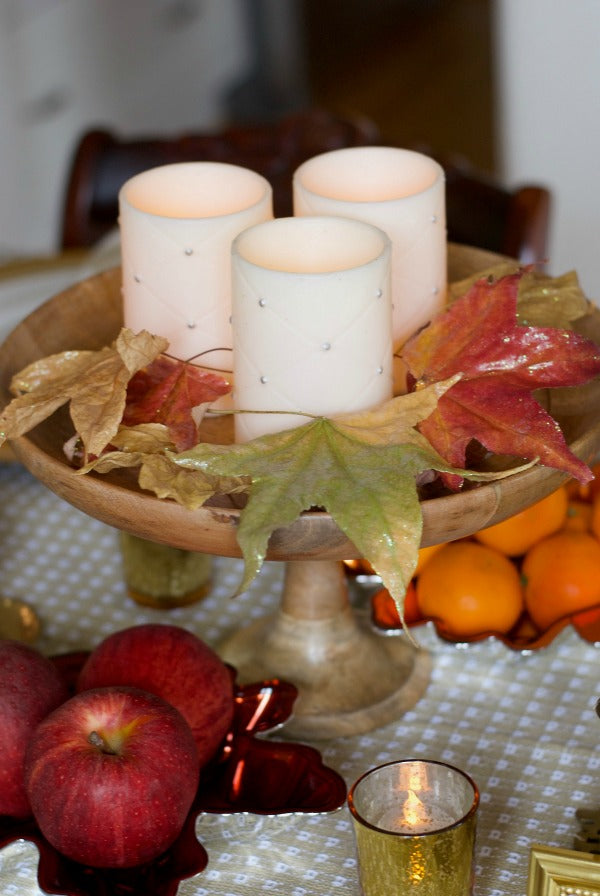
x=516, y=578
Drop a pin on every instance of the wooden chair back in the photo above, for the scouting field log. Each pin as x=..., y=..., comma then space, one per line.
x=480, y=212
x=102, y=163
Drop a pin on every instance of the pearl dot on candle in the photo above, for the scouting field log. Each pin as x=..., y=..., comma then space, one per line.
x=264, y=379
x=380, y=370
x=379, y=293
x=137, y=278
x=262, y=302
x=192, y=324
x=434, y=219
x=435, y=290
x=189, y=251
x=326, y=346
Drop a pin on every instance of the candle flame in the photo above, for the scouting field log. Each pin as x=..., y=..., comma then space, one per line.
x=413, y=809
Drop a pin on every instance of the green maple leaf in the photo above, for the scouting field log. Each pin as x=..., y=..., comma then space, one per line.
x=362, y=468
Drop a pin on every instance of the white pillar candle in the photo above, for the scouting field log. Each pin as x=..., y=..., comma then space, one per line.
x=311, y=321
x=403, y=193
x=177, y=223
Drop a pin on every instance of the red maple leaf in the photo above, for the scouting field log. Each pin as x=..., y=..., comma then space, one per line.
x=501, y=363
x=166, y=392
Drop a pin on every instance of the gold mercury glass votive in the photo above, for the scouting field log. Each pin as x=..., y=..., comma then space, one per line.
x=414, y=825
x=161, y=576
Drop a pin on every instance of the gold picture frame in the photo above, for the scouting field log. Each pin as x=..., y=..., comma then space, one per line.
x=563, y=872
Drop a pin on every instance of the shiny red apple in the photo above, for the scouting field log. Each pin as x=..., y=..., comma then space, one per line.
x=175, y=664
x=111, y=776
x=30, y=688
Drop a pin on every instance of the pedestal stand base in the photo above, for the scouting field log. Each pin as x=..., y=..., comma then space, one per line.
x=350, y=679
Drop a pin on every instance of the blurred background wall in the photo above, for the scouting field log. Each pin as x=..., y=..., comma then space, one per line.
x=513, y=86
x=131, y=65
x=547, y=97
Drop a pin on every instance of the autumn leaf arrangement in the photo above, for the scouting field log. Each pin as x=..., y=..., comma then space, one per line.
x=473, y=372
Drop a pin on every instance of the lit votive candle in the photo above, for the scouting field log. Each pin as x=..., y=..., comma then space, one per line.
x=177, y=223
x=403, y=193
x=311, y=321
x=415, y=817
x=414, y=824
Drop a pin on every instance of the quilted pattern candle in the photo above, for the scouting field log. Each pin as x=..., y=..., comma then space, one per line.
x=311, y=321
x=403, y=193
x=177, y=223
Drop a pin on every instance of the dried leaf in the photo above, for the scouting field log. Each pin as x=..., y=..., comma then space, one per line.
x=167, y=391
x=130, y=446
x=459, y=288
x=501, y=364
x=542, y=301
x=41, y=389
x=149, y=447
x=159, y=474
x=551, y=301
x=94, y=382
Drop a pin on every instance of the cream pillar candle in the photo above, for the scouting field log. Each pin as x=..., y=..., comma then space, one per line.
x=403, y=193
x=177, y=223
x=311, y=321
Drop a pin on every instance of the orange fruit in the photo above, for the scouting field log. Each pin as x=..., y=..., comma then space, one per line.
x=579, y=516
x=385, y=612
x=470, y=588
x=595, y=517
x=515, y=535
x=588, y=492
x=562, y=576
x=425, y=554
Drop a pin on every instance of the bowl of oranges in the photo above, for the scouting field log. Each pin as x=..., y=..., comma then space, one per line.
x=520, y=581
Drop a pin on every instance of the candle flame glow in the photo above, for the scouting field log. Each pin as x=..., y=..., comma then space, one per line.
x=413, y=809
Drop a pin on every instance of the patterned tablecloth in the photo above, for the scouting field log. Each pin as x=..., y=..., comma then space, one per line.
x=523, y=726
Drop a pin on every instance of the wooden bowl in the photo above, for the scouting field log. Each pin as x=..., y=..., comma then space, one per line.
x=89, y=316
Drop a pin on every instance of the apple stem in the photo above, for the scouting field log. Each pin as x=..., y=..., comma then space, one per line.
x=96, y=740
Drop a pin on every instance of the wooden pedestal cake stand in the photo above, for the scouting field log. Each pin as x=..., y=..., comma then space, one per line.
x=350, y=678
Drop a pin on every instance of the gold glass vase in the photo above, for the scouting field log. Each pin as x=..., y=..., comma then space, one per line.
x=161, y=576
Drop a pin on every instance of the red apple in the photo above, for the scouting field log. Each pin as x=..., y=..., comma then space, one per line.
x=175, y=664
x=111, y=776
x=30, y=688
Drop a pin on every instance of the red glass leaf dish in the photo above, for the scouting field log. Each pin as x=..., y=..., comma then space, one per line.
x=59, y=875
x=523, y=637
x=250, y=775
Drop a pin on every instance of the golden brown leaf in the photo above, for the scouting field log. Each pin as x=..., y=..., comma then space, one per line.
x=542, y=300
x=130, y=446
x=551, y=301
x=149, y=447
x=190, y=488
x=94, y=382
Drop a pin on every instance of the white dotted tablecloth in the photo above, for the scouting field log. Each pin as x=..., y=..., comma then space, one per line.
x=523, y=726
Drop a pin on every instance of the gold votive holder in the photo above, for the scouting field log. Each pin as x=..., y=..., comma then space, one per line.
x=414, y=826
x=161, y=576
